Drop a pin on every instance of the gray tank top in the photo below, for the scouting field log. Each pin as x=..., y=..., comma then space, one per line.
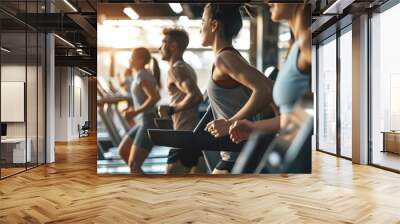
x=138, y=96
x=225, y=103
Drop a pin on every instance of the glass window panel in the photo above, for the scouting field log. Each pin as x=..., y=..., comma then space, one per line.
x=327, y=97
x=41, y=98
x=385, y=88
x=14, y=152
x=31, y=97
x=22, y=62
x=346, y=94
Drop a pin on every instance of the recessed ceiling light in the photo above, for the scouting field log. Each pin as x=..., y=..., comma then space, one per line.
x=176, y=7
x=131, y=13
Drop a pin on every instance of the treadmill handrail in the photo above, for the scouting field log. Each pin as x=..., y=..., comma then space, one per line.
x=207, y=117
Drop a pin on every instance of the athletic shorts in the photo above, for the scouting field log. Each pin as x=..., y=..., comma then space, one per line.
x=139, y=133
x=187, y=157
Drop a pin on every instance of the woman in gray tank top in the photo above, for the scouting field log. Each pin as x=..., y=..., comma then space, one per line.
x=294, y=77
x=136, y=145
x=236, y=90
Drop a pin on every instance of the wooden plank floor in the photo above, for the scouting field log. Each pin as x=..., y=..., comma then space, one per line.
x=10, y=171
x=70, y=191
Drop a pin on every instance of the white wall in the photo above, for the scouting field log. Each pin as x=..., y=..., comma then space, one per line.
x=61, y=103
x=71, y=102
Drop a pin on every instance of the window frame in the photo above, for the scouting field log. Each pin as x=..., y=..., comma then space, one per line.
x=345, y=25
x=379, y=10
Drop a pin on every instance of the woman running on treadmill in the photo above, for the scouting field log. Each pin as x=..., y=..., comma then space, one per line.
x=236, y=89
x=293, y=79
x=125, y=81
x=136, y=145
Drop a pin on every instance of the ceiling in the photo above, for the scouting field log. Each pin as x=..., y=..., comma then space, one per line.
x=332, y=15
x=74, y=22
x=148, y=10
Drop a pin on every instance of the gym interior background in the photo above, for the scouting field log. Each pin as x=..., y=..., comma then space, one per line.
x=263, y=43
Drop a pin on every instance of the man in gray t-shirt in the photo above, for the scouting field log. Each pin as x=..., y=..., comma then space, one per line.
x=185, y=96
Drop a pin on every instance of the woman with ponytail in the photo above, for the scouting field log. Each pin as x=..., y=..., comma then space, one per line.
x=236, y=89
x=294, y=77
x=136, y=145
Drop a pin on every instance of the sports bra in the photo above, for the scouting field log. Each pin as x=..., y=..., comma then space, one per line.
x=291, y=83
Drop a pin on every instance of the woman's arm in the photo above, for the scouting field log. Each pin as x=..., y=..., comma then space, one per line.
x=268, y=126
x=261, y=87
x=241, y=130
x=305, y=57
x=153, y=96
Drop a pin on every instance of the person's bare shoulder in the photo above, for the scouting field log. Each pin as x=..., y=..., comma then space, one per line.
x=178, y=72
x=227, y=61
